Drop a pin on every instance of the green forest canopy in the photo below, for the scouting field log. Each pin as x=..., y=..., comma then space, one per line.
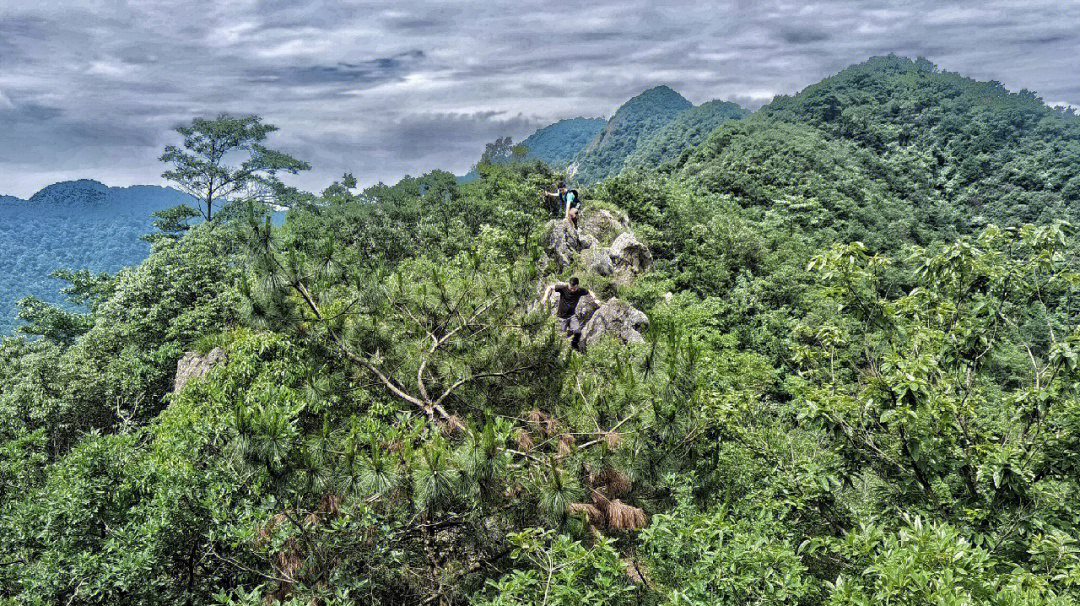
x=862, y=388
x=637, y=119
x=76, y=224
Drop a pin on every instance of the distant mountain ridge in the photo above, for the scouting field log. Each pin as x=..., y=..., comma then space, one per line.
x=80, y=224
x=651, y=128
x=558, y=143
x=89, y=190
x=688, y=129
x=637, y=119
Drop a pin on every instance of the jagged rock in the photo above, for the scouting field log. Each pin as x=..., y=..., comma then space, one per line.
x=602, y=224
x=598, y=261
x=585, y=310
x=562, y=242
x=616, y=318
x=194, y=365
x=630, y=255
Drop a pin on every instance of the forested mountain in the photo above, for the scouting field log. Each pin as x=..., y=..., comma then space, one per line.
x=1000, y=155
x=558, y=143
x=894, y=151
x=555, y=144
x=634, y=122
x=687, y=130
x=72, y=225
x=648, y=130
x=837, y=363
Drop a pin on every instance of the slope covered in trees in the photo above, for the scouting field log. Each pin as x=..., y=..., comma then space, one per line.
x=687, y=130
x=999, y=155
x=72, y=225
x=558, y=143
x=637, y=120
x=853, y=390
x=894, y=151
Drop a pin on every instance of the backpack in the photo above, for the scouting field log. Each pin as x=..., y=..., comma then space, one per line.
x=577, y=198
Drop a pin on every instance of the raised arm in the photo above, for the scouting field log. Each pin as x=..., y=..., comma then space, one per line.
x=551, y=290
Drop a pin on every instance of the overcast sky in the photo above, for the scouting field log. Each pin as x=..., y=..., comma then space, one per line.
x=91, y=89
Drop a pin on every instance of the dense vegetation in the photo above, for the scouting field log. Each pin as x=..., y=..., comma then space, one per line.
x=860, y=383
x=78, y=224
x=558, y=143
x=1000, y=156
x=634, y=122
x=687, y=130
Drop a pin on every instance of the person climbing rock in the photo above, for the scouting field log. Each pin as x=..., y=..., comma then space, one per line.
x=569, y=296
x=570, y=199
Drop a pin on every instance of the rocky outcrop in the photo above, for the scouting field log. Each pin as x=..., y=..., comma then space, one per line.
x=602, y=224
x=629, y=255
x=194, y=365
x=562, y=242
x=622, y=261
x=626, y=257
x=585, y=310
x=597, y=260
x=615, y=318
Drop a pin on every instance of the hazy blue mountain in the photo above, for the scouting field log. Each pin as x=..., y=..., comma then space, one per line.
x=634, y=122
x=558, y=143
x=78, y=225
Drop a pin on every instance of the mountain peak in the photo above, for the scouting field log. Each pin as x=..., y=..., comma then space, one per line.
x=637, y=119
x=659, y=102
x=661, y=94
x=68, y=190
x=90, y=184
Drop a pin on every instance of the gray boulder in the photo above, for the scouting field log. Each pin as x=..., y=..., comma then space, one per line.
x=562, y=242
x=585, y=310
x=615, y=318
x=602, y=224
x=194, y=365
x=629, y=255
x=597, y=260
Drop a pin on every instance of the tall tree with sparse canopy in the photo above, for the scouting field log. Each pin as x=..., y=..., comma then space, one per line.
x=200, y=169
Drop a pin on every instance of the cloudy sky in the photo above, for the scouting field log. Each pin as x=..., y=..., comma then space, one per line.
x=91, y=89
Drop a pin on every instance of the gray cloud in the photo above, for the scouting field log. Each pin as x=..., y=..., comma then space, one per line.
x=804, y=35
x=380, y=88
x=364, y=73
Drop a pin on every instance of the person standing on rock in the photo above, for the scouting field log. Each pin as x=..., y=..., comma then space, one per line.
x=570, y=199
x=569, y=296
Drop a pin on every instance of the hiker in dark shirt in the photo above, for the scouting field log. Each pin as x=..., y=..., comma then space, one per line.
x=569, y=295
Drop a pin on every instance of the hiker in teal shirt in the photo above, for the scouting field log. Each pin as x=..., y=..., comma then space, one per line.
x=571, y=202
